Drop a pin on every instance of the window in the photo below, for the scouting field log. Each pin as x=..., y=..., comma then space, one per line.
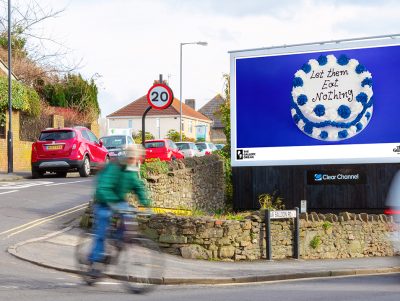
x=56, y=135
x=156, y=144
x=190, y=126
x=92, y=137
x=130, y=123
x=113, y=141
x=130, y=140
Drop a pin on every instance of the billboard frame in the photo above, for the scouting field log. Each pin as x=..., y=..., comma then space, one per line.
x=334, y=45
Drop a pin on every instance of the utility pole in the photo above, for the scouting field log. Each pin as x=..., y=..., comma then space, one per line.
x=9, y=133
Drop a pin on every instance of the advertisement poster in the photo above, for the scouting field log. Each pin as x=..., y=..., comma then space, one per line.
x=316, y=105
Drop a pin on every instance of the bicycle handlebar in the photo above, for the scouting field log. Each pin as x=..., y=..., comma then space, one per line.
x=132, y=210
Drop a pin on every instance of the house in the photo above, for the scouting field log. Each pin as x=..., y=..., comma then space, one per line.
x=211, y=109
x=159, y=122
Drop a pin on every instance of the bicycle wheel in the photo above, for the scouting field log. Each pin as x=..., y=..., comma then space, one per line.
x=141, y=265
x=90, y=272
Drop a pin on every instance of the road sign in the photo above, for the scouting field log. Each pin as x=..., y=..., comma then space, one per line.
x=283, y=214
x=160, y=96
x=303, y=206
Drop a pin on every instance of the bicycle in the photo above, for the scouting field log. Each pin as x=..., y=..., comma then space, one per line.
x=129, y=255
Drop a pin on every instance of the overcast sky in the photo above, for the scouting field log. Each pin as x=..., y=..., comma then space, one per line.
x=130, y=42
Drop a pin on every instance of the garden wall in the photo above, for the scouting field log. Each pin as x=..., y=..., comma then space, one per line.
x=321, y=236
x=192, y=183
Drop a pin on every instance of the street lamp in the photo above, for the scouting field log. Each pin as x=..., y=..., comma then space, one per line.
x=10, y=156
x=180, y=83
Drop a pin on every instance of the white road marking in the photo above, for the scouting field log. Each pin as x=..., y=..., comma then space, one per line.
x=66, y=183
x=24, y=184
x=27, y=226
x=8, y=191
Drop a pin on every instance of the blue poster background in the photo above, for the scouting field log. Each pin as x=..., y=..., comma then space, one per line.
x=263, y=94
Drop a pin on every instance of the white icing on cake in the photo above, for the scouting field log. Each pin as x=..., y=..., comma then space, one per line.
x=332, y=101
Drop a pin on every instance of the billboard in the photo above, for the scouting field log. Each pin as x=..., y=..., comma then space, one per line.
x=323, y=103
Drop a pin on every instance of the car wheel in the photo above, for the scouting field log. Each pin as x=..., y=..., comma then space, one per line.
x=36, y=174
x=61, y=174
x=84, y=170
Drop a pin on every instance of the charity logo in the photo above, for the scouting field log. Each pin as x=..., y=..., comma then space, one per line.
x=397, y=149
x=239, y=154
x=318, y=177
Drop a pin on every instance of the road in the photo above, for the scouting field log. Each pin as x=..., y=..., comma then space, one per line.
x=32, y=208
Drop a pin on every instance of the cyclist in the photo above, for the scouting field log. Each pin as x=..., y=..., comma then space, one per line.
x=114, y=181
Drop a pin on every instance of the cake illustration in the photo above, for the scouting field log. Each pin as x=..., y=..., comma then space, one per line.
x=332, y=98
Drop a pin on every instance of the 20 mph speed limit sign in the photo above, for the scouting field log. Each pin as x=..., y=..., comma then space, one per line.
x=160, y=96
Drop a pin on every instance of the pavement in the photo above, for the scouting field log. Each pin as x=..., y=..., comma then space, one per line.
x=56, y=251
x=13, y=176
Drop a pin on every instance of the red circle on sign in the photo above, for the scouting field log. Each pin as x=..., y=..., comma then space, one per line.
x=154, y=96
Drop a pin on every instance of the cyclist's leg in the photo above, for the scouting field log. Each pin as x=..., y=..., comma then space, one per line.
x=117, y=207
x=102, y=216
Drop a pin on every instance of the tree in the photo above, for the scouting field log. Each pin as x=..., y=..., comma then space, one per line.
x=138, y=137
x=225, y=114
x=30, y=47
x=225, y=111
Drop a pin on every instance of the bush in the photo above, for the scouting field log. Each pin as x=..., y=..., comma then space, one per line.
x=315, y=242
x=23, y=97
x=270, y=201
x=138, y=137
x=226, y=158
x=153, y=167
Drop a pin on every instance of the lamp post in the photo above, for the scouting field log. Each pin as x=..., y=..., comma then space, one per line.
x=9, y=133
x=180, y=83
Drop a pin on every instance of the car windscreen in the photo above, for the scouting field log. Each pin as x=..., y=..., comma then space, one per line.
x=183, y=145
x=201, y=146
x=56, y=135
x=155, y=144
x=113, y=141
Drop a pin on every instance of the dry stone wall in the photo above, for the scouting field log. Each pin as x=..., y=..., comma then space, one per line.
x=192, y=183
x=321, y=236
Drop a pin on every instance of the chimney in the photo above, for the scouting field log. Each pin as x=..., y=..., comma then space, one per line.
x=191, y=103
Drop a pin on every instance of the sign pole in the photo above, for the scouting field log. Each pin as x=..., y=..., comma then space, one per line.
x=268, y=234
x=144, y=124
x=296, y=235
x=159, y=97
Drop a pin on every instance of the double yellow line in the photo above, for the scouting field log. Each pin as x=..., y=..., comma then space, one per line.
x=35, y=223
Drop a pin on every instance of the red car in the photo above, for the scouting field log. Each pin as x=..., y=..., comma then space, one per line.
x=164, y=149
x=62, y=150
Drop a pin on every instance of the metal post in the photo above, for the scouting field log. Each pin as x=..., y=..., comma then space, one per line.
x=9, y=133
x=144, y=125
x=296, y=235
x=180, y=95
x=267, y=222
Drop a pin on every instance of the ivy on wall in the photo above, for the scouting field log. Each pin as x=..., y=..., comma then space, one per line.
x=23, y=98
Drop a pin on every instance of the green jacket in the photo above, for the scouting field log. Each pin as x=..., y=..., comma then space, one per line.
x=114, y=182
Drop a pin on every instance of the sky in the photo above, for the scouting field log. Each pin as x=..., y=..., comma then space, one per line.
x=126, y=44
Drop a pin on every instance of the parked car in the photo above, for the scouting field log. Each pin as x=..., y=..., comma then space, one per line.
x=189, y=149
x=219, y=146
x=205, y=148
x=63, y=150
x=115, y=144
x=164, y=149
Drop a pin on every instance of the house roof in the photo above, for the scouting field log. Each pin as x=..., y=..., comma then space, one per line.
x=137, y=108
x=211, y=108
